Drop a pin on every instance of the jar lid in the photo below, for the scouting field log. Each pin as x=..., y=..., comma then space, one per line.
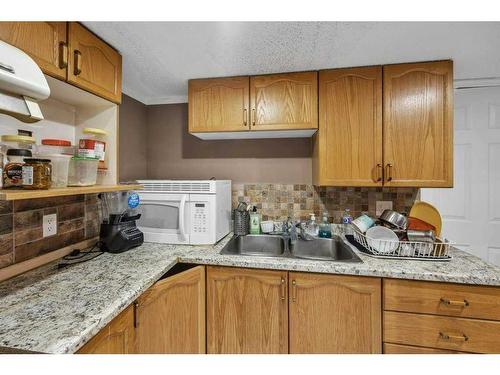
x=18, y=152
x=56, y=142
x=94, y=131
x=18, y=138
x=33, y=160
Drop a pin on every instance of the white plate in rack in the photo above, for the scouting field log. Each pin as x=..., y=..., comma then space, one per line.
x=382, y=239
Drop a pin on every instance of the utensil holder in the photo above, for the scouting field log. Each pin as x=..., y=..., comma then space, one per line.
x=241, y=223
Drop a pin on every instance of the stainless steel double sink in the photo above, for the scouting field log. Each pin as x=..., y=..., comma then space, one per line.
x=275, y=246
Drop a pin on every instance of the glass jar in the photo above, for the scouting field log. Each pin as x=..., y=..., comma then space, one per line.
x=13, y=169
x=37, y=174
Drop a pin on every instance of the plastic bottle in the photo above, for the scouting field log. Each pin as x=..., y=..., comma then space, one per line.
x=312, y=227
x=346, y=221
x=254, y=222
x=325, y=229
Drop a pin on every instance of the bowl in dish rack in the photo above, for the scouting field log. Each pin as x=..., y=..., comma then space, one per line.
x=381, y=239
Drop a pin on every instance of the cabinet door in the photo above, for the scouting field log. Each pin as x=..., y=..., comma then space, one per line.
x=118, y=337
x=349, y=139
x=171, y=315
x=284, y=101
x=247, y=311
x=45, y=42
x=418, y=124
x=218, y=104
x=334, y=314
x=94, y=65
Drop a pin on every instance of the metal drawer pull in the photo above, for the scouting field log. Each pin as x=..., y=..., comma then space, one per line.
x=253, y=116
x=450, y=302
x=445, y=336
x=78, y=62
x=63, y=55
x=245, y=116
x=389, y=172
x=283, y=289
x=380, y=172
x=294, y=290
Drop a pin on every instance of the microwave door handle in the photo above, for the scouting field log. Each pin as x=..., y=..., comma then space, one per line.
x=181, y=216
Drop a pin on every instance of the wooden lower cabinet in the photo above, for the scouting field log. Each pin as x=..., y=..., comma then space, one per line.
x=442, y=332
x=247, y=311
x=118, y=337
x=262, y=311
x=334, y=314
x=170, y=316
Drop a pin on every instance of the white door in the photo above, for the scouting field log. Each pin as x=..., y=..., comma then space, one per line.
x=471, y=210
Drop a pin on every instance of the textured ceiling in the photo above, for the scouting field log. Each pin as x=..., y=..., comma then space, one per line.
x=159, y=57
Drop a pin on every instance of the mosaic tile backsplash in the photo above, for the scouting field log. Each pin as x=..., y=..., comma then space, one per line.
x=277, y=202
x=21, y=233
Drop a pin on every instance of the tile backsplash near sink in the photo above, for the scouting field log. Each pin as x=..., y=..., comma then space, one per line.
x=276, y=201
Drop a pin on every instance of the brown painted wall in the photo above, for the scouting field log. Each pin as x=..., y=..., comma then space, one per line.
x=155, y=143
x=133, y=137
x=174, y=153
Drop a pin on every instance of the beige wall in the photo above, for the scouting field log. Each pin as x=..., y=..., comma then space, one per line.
x=160, y=131
x=133, y=140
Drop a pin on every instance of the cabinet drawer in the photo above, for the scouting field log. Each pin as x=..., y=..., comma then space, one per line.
x=466, y=301
x=406, y=349
x=467, y=335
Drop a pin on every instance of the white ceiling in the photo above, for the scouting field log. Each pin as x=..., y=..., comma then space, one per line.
x=160, y=57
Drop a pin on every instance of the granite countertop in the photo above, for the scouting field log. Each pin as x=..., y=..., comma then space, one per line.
x=55, y=310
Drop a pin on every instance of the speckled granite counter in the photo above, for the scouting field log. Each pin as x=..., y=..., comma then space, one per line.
x=58, y=311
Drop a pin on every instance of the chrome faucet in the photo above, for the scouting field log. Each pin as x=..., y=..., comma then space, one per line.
x=290, y=229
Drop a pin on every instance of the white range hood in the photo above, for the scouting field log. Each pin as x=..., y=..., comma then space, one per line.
x=22, y=84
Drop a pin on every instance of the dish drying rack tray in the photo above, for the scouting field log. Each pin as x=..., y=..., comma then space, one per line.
x=388, y=249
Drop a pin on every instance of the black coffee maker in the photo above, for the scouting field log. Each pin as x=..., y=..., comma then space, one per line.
x=119, y=231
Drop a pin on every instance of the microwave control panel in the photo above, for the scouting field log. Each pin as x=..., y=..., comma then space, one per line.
x=199, y=223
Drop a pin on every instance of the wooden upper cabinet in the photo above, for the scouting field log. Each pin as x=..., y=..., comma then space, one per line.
x=171, y=315
x=247, y=311
x=284, y=101
x=334, y=314
x=93, y=65
x=118, y=337
x=418, y=124
x=45, y=42
x=218, y=104
x=348, y=145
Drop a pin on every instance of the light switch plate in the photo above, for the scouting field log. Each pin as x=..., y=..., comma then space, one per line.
x=381, y=206
x=49, y=225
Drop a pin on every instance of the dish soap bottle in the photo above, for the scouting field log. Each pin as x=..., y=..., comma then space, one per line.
x=312, y=227
x=325, y=229
x=254, y=221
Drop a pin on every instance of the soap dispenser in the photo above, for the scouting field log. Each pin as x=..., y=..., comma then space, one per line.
x=254, y=221
x=312, y=227
x=325, y=229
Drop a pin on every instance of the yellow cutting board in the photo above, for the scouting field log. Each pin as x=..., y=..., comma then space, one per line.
x=428, y=213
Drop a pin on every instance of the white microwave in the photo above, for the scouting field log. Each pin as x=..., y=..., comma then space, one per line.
x=185, y=212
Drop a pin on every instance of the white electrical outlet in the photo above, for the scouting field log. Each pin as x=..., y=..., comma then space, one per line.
x=381, y=206
x=49, y=225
